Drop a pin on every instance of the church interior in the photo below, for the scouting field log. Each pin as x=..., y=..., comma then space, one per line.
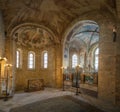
x=60, y=52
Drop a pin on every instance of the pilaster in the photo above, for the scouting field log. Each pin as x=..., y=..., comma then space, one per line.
x=107, y=65
x=118, y=65
x=58, y=65
x=2, y=36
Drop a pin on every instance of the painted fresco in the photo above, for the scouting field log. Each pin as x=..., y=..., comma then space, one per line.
x=56, y=14
x=33, y=37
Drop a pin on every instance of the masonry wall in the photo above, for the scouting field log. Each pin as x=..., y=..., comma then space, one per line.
x=2, y=47
x=24, y=74
x=118, y=65
x=2, y=35
x=107, y=65
x=58, y=65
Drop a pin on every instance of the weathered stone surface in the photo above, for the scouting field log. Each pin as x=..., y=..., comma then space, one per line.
x=118, y=7
x=107, y=68
x=23, y=74
x=106, y=87
x=2, y=35
x=59, y=18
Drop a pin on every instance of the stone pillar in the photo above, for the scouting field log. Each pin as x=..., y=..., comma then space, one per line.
x=107, y=65
x=2, y=36
x=58, y=65
x=8, y=49
x=118, y=65
x=2, y=49
x=118, y=7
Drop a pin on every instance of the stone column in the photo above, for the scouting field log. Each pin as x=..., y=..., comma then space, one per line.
x=2, y=49
x=118, y=7
x=107, y=65
x=118, y=65
x=58, y=65
x=2, y=36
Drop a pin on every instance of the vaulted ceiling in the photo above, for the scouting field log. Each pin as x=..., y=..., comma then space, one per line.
x=83, y=36
x=57, y=15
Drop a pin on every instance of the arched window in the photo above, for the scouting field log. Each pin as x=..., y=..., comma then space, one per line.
x=96, y=58
x=45, y=60
x=18, y=58
x=31, y=60
x=74, y=61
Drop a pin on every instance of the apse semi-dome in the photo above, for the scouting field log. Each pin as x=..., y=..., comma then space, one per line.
x=33, y=37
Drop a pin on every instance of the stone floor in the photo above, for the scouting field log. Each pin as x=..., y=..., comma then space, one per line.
x=22, y=98
x=57, y=104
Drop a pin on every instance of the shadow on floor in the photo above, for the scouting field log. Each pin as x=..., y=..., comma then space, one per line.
x=58, y=104
x=89, y=92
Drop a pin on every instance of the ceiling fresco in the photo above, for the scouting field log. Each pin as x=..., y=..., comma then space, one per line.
x=57, y=15
x=32, y=37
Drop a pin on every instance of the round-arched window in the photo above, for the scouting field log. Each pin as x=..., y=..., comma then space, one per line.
x=96, y=59
x=74, y=60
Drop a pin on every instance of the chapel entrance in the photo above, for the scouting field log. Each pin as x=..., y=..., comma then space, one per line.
x=81, y=55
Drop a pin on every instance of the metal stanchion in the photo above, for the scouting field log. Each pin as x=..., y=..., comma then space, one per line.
x=63, y=78
x=77, y=87
x=78, y=72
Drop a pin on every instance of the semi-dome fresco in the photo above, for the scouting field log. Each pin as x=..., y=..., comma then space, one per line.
x=33, y=37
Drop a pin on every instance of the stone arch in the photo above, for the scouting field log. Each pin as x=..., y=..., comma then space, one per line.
x=33, y=55
x=107, y=49
x=91, y=53
x=42, y=58
x=79, y=23
x=13, y=46
x=100, y=19
x=20, y=57
x=95, y=16
x=35, y=25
